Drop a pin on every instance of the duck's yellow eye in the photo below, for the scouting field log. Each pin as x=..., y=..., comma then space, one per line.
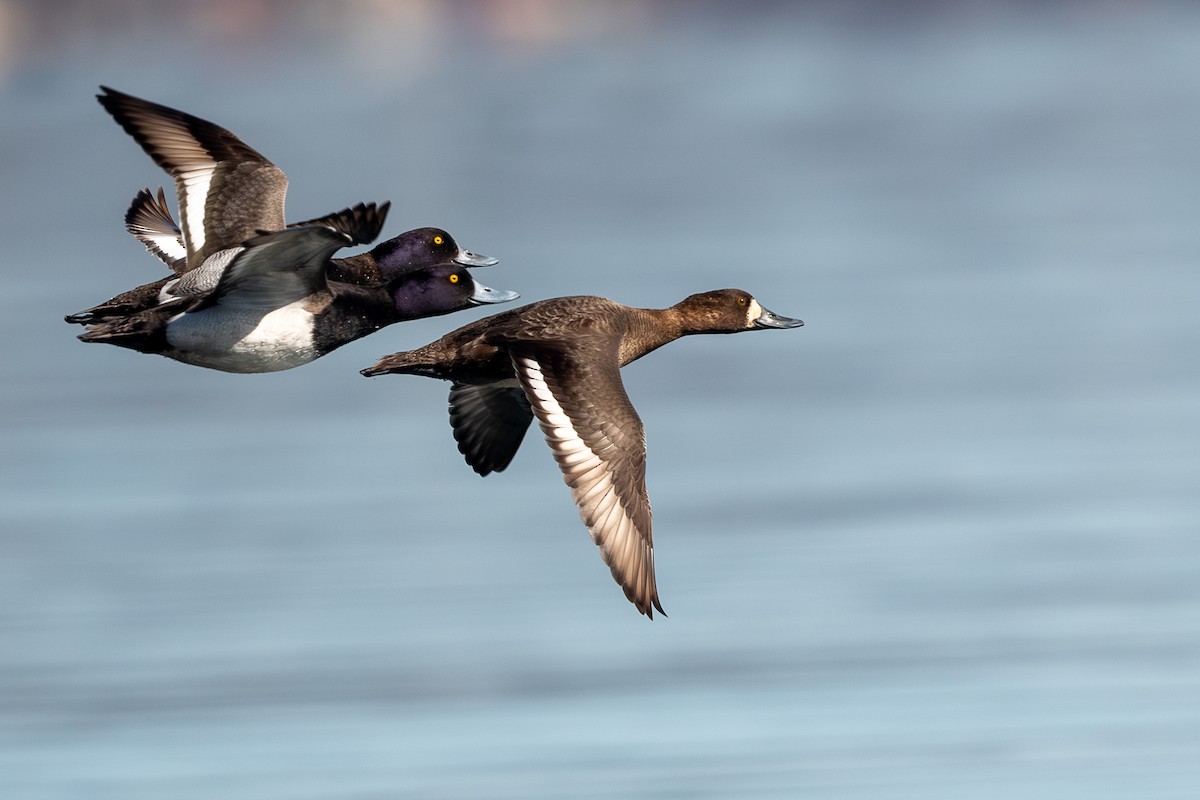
x=741, y=301
x=453, y=278
x=438, y=240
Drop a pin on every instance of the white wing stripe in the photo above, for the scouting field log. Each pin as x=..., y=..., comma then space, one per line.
x=582, y=479
x=575, y=458
x=196, y=185
x=624, y=554
x=168, y=243
x=641, y=570
x=542, y=392
x=558, y=421
x=608, y=518
x=588, y=495
x=599, y=505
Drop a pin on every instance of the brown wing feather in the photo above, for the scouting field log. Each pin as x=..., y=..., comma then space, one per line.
x=227, y=191
x=600, y=446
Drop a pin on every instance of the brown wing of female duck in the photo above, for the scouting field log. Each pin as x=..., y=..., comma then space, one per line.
x=599, y=443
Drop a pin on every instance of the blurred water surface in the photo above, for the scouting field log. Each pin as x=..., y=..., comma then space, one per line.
x=939, y=543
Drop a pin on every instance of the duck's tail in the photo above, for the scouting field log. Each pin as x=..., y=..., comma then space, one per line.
x=411, y=362
x=144, y=332
x=121, y=306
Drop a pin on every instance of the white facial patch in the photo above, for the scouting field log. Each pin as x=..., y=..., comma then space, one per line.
x=755, y=311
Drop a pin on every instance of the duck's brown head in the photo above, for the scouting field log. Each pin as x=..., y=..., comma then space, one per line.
x=728, y=311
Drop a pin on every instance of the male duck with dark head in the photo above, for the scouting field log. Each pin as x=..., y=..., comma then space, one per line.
x=249, y=294
x=560, y=360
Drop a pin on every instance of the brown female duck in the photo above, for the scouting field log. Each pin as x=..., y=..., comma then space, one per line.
x=560, y=360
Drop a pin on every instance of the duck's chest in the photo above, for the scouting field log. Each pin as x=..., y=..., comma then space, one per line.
x=244, y=340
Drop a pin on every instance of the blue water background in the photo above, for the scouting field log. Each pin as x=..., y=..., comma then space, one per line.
x=942, y=542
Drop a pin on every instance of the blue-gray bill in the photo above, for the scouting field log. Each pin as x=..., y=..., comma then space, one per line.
x=469, y=259
x=769, y=319
x=483, y=295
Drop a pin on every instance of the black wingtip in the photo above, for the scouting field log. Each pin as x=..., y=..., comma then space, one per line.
x=360, y=223
x=482, y=470
x=649, y=610
x=108, y=97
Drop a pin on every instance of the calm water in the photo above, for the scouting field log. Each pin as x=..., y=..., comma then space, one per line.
x=942, y=542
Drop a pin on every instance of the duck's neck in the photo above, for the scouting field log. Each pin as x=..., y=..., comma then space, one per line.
x=361, y=269
x=649, y=329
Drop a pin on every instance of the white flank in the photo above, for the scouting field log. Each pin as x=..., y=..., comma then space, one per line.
x=244, y=340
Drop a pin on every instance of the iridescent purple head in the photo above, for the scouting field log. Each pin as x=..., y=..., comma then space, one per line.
x=437, y=290
x=426, y=273
x=424, y=247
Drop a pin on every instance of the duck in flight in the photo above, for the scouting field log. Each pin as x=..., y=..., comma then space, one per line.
x=249, y=293
x=559, y=360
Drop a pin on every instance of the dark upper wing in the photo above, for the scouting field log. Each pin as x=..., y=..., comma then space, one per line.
x=284, y=266
x=600, y=446
x=278, y=268
x=489, y=423
x=362, y=228
x=227, y=190
x=150, y=221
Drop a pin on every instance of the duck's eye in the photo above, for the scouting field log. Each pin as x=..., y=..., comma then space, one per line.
x=741, y=301
x=438, y=240
x=453, y=277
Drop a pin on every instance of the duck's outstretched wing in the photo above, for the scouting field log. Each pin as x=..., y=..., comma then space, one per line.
x=599, y=443
x=227, y=191
x=362, y=223
x=280, y=267
x=489, y=423
x=150, y=221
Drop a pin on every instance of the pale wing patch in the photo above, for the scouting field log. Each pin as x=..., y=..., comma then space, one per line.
x=195, y=183
x=149, y=219
x=625, y=549
x=170, y=248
